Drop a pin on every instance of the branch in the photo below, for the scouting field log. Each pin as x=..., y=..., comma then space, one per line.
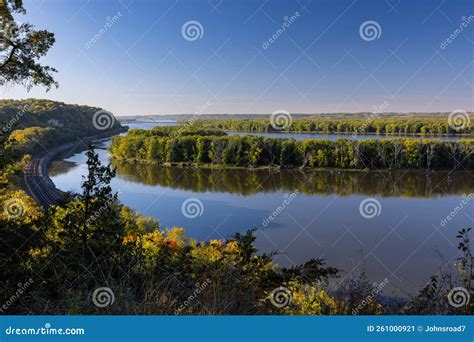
x=10, y=57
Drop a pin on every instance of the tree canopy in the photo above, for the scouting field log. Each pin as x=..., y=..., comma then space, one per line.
x=393, y=125
x=197, y=146
x=21, y=48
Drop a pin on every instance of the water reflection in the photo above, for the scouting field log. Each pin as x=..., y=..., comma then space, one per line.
x=403, y=243
x=59, y=167
x=411, y=184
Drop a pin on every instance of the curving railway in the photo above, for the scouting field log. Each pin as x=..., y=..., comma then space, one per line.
x=40, y=186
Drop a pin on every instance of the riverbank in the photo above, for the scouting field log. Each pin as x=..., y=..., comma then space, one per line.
x=190, y=165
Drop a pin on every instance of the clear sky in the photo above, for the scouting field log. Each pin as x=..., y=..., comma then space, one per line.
x=320, y=62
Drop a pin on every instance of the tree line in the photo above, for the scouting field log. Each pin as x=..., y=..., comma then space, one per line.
x=381, y=125
x=255, y=151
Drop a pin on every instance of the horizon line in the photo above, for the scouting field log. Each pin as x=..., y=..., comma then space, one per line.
x=293, y=113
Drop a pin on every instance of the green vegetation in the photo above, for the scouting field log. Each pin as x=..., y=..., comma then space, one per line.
x=34, y=125
x=385, y=125
x=174, y=131
x=21, y=47
x=193, y=146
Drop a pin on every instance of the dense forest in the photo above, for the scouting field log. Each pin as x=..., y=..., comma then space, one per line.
x=196, y=146
x=380, y=125
x=33, y=125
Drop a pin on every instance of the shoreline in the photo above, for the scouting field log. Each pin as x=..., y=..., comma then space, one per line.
x=267, y=167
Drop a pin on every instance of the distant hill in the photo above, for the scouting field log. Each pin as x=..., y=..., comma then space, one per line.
x=183, y=117
x=48, y=123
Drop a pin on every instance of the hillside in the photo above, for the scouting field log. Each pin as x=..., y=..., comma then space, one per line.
x=31, y=124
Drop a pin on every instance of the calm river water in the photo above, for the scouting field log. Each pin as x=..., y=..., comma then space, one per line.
x=303, y=215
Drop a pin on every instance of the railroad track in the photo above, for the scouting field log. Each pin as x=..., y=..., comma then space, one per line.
x=40, y=186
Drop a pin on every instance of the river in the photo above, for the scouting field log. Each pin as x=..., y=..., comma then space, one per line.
x=303, y=215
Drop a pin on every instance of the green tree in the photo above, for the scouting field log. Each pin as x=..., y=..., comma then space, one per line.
x=96, y=184
x=96, y=194
x=21, y=47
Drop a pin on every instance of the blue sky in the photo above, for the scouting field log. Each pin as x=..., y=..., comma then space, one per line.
x=142, y=64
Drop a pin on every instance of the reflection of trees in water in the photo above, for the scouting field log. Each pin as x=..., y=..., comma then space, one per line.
x=341, y=182
x=59, y=167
